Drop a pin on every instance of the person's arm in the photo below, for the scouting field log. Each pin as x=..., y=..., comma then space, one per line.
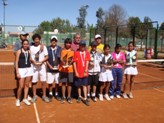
x=86, y=68
x=16, y=48
x=16, y=63
x=50, y=66
x=41, y=47
x=75, y=69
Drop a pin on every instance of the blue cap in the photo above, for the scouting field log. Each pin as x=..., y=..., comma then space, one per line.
x=82, y=42
x=93, y=43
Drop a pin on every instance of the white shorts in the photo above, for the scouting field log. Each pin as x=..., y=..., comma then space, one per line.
x=25, y=72
x=52, y=77
x=39, y=72
x=131, y=70
x=106, y=76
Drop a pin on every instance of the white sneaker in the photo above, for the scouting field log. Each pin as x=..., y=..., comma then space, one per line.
x=101, y=97
x=130, y=95
x=118, y=96
x=111, y=97
x=106, y=96
x=29, y=98
x=26, y=102
x=125, y=95
x=17, y=102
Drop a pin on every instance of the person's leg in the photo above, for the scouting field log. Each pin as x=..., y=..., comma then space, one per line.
x=44, y=88
x=69, y=89
x=26, y=86
x=20, y=87
x=90, y=79
x=63, y=89
x=102, y=86
x=125, y=86
x=106, y=96
x=131, y=85
x=113, y=83
x=119, y=81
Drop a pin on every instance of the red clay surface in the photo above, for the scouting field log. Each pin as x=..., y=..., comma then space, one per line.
x=146, y=107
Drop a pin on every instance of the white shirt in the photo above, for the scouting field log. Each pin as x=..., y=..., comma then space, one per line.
x=131, y=55
x=106, y=59
x=96, y=58
x=42, y=54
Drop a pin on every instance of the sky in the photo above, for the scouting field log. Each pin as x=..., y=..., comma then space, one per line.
x=33, y=12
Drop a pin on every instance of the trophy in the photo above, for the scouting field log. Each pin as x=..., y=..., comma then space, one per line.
x=70, y=61
x=37, y=58
x=92, y=59
x=134, y=59
x=128, y=59
x=109, y=62
x=65, y=61
x=55, y=67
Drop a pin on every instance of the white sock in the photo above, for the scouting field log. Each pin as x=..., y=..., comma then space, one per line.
x=93, y=94
x=50, y=93
x=88, y=94
x=56, y=93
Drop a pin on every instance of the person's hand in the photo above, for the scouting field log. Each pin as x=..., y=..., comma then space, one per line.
x=105, y=66
x=91, y=63
x=85, y=73
x=51, y=67
x=41, y=47
x=18, y=76
x=76, y=74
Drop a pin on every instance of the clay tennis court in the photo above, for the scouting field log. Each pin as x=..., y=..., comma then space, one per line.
x=146, y=107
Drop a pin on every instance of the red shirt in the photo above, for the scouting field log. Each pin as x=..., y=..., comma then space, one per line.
x=74, y=46
x=81, y=58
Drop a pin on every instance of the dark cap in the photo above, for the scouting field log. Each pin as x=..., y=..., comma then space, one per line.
x=82, y=42
x=118, y=45
x=93, y=43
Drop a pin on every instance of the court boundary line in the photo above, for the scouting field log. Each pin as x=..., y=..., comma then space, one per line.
x=36, y=113
x=158, y=90
x=149, y=76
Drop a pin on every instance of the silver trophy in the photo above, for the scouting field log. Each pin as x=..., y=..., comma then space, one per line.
x=37, y=58
x=55, y=67
x=127, y=59
x=109, y=62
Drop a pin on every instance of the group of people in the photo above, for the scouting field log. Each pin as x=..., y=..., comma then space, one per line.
x=75, y=69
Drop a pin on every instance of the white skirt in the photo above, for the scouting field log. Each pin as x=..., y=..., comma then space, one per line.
x=25, y=72
x=131, y=70
x=106, y=76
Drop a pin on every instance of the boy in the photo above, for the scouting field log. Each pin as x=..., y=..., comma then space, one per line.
x=52, y=67
x=38, y=59
x=93, y=70
x=81, y=61
x=66, y=70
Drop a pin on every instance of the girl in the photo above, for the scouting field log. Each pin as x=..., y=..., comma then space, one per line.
x=106, y=73
x=130, y=69
x=24, y=71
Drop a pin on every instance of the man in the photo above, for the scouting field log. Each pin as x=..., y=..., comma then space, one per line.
x=38, y=59
x=18, y=44
x=53, y=62
x=76, y=41
x=100, y=46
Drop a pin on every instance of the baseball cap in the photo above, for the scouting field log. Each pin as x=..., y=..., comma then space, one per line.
x=93, y=43
x=23, y=33
x=97, y=36
x=82, y=42
x=54, y=37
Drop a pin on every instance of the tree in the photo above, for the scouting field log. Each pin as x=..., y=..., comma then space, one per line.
x=81, y=19
x=116, y=15
x=44, y=26
x=100, y=18
x=162, y=26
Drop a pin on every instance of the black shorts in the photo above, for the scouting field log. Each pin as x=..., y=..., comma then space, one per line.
x=93, y=79
x=81, y=81
x=66, y=77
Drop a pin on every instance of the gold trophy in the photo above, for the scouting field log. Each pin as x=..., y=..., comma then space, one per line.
x=109, y=62
x=37, y=58
x=70, y=61
x=65, y=61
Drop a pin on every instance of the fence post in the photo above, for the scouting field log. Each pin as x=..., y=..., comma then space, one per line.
x=156, y=43
x=105, y=35
x=134, y=34
x=116, y=35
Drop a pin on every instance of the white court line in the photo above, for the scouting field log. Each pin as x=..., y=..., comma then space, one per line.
x=159, y=90
x=36, y=113
x=150, y=76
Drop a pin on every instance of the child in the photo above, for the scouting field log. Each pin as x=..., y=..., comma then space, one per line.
x=39, y=58
x=24, y=71
x=117, y=71
x=93, y=70
x=66, y=70
x=106, y=73
x=52, y=67
x=130, y=69
x=81, y=60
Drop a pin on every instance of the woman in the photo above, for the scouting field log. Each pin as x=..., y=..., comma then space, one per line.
x=24, y=71
x=130, y=69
